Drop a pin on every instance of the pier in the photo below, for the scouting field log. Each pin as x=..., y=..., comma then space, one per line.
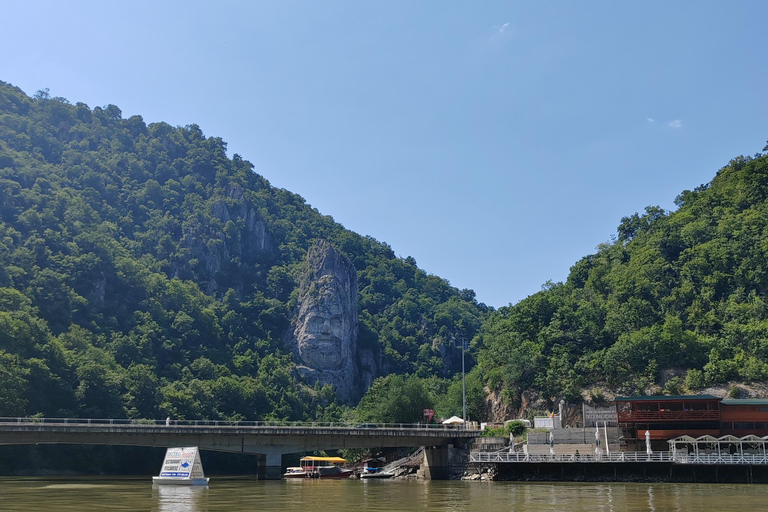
x=725, y=459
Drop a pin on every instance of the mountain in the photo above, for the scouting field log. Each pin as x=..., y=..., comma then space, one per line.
x=145, y=273
x=677, y=301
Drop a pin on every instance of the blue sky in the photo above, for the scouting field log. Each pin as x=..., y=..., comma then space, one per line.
x=495, y=142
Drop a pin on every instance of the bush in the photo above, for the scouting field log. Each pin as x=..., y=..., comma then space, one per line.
x=515, y=428
x=694, y=379
x=597, y=396
x=674, y=386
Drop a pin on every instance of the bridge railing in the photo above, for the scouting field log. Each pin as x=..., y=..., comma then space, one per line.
x=221, y=423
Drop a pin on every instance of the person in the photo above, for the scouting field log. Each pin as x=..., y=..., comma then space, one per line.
x=168, y=421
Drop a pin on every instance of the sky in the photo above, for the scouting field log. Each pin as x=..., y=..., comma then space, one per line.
x=495, y=142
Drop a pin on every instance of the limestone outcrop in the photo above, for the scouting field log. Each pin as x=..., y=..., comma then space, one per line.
x=324, y=330
x=211, y=246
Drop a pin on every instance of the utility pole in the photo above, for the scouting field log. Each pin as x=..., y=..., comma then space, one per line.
x=463, y=341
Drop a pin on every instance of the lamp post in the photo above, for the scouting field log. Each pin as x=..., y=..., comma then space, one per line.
x=463, y=341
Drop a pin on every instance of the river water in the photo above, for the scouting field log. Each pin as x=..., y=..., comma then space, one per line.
x=245, y=494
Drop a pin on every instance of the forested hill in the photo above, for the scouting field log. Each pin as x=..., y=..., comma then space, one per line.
x=145, y=273
x=686, y=291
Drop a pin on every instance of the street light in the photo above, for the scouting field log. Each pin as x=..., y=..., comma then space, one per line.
x=463, y=341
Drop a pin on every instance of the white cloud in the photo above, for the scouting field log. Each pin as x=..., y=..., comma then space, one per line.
x=502, y=33
x=649, y=119
x=677, y=123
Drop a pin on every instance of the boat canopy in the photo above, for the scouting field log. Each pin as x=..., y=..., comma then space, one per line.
x=335, y=460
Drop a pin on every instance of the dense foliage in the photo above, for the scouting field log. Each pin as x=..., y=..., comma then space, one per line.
x=144, y=273
x=684, y=290
x=403, y=398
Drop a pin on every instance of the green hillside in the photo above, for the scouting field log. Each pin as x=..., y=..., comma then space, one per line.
x=684, y=290
x=145, y=273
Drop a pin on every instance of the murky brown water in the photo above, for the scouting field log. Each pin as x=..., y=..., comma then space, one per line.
x=245, y=494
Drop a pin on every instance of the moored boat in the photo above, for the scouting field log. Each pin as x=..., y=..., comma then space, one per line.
x=374, y=468
x=319, y=467
x=295, y=472
x=369, y=472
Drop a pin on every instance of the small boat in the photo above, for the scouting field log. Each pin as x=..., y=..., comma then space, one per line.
x=369, y=472
x=374, y=468
x=319, y=467
x=181, y=466
x=295, y=472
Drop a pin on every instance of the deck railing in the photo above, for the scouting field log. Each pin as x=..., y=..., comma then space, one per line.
x=639, y=416
x=613, y=457
x=677, y=458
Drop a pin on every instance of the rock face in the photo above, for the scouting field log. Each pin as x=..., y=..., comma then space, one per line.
x=324, y=330
x=211, y=246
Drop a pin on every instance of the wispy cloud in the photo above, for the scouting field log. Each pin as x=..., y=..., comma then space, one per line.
x=677, y=123
x=501, y=33
x=649, y=119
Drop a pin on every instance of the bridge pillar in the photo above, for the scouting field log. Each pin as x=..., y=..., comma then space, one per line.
x=269, y=466
x=436, y=462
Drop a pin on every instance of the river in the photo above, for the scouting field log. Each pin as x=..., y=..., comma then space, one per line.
x=84, y=494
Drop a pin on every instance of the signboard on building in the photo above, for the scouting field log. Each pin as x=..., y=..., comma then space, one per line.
x=595, y=415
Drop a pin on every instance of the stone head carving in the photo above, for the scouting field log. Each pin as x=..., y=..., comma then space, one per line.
x=324, y=330
x=325, y=325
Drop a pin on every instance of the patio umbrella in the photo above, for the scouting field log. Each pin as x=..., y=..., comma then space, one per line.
x=598, y=451
x=453, y=420
x=648, y=443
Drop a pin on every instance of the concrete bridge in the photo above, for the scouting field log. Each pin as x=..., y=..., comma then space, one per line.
x=267, y=440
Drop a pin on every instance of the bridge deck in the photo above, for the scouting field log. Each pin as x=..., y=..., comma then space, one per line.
x=233, y=437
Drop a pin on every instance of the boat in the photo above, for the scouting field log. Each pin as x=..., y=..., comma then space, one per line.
x=373, y=468
x=181, y=466
x=319, y=467
x=375, y=473
x=295, y=472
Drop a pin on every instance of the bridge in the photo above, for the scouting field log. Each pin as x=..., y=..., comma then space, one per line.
x=269, y=441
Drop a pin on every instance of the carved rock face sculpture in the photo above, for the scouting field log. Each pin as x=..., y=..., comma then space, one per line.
x=323, y=334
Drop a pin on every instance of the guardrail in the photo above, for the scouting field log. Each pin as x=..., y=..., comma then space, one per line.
x=222, y=423
x=613, y=457
x=677, y=458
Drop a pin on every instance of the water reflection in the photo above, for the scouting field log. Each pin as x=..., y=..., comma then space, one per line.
x=95, y=494
x=651, y=507
x=178, y=498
